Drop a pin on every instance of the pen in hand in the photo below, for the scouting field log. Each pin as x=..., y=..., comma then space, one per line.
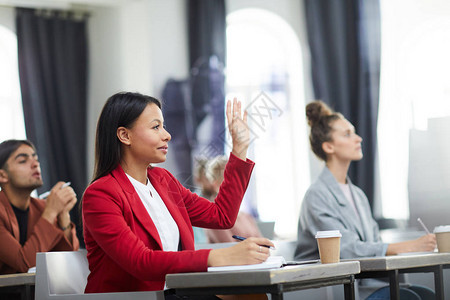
x=423, y=225
x=240, y=238
x=45, y=195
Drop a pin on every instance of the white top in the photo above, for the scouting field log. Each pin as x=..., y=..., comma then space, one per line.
x=160, y=215
x=348, y=194
x=442, y=228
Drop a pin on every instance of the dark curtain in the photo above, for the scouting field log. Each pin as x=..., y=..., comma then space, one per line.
x=52, y=50
x=344, y=40
x=179, y=116
x=207, y=48
x=188, y=102
x=207, y=26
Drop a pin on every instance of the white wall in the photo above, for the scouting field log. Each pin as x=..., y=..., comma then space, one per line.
x=105, y=68
x=7, y=18
x=134, y=47
x=169, y=42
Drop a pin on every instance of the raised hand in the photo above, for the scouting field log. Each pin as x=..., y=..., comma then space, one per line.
x=239, y=131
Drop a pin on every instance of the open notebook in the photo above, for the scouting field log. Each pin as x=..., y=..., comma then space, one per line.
x=272, y=262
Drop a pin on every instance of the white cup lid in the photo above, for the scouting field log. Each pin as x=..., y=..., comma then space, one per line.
x=443, y=228
x=328, y=234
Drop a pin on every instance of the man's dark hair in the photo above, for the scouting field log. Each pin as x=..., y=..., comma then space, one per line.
x=8, y=147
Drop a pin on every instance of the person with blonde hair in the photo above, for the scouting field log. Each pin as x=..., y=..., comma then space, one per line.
x=210, y=180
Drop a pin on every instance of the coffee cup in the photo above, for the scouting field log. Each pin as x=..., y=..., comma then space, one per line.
x=329, y=243
x=442, y=238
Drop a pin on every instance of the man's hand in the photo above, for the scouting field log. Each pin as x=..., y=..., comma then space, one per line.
x=64, y=216
x=59, y=203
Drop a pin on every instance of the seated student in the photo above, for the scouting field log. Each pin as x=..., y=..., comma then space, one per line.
x=334, y=203
x=29, y=225
x=211, y=180
x=138, y=218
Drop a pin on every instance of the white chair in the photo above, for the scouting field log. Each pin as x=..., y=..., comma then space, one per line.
x=63, y=275
x=266, y=229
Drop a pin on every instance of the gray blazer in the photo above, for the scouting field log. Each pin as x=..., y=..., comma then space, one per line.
x=325, y=207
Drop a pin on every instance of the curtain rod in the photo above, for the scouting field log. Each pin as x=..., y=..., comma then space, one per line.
x=35, y=4
x=69, y=13
x=48, y=11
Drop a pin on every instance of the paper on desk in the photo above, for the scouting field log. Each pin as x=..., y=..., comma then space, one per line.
x=272, y=262
x=32, y=270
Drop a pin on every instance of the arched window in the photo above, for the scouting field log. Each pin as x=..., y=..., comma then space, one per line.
x=264, y=69
x=11, y=113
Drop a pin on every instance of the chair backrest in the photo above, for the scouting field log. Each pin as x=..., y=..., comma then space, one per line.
x=267, y=229
x=67, y=272
x=61, y=272
x=63, y=275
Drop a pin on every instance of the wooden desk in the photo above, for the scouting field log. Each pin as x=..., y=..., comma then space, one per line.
x=273, y=281
x=391, y=266
x=22, y=283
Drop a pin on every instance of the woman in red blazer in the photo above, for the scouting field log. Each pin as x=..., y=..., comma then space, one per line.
x=126, y=232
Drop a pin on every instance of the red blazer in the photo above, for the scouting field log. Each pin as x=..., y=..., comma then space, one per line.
x=124, y=248
x=41, y=237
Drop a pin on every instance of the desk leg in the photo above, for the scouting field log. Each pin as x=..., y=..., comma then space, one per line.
x=26, y=293
x=277, y=296
x=349, y=289
x=394, y=285
x=439, y=282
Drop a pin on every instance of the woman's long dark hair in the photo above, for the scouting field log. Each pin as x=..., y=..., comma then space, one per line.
x=120, y=110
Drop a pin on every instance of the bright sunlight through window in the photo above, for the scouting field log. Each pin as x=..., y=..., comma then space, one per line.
x=415, y=87
x=264, y=70
x=11, y=112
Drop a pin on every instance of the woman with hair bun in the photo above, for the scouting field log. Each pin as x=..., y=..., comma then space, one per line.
x=334, y=203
